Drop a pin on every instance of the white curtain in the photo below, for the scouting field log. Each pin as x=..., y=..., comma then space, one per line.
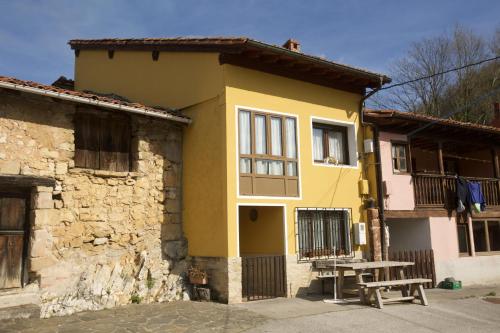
x=318, y=144
x=276, y=136
x=291, y=138
x=318, y=230
x=292, y=169
x=276, y=168
x=245, y=165
x=260, y=135
x=245, y=137
x=261, y=167
x=336, y=146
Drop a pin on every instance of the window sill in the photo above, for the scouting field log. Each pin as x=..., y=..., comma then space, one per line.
x=340, y=166
x=486, y=254
x=105, y=173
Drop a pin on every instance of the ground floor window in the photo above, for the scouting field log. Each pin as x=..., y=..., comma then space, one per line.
x=323, y=233
x=486, y=235
x=463, y=238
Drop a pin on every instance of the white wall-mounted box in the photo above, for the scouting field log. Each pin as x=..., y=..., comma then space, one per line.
x=360, y=233
x=368, y=146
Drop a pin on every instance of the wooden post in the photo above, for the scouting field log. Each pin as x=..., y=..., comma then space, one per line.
x=440, y=157
x=494, y=157
x=496, y=170
x=441, y=172
x=471, y=236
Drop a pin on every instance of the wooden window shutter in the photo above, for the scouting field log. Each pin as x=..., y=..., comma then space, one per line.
x=87, y=139
x=115, y=144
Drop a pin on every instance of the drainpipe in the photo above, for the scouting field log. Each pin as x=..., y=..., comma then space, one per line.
x=378, y=167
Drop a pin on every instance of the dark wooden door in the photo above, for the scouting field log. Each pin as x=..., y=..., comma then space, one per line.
x=263, y=277
x=12, y=240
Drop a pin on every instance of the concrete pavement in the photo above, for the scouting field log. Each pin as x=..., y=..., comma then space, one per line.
x=465, y=310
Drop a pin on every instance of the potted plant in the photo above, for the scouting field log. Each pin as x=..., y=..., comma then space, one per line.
x=197, y=276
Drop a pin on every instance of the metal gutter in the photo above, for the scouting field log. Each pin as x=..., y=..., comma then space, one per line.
x=378, y=167
x=90, y=101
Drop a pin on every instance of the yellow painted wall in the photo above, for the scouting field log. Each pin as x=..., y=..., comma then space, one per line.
x=264, y=235
x=176, y=80
x=204, y=181
x=193, y=81
x=212, y=91
x=322, y=186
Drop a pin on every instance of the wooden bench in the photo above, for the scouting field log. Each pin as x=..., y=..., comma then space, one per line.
x=373, y=288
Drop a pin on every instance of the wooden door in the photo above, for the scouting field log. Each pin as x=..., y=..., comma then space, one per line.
x=263, y=277
x=12, y=240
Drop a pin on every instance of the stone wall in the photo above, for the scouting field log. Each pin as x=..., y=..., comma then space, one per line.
x=224, y=277
x=98, y=239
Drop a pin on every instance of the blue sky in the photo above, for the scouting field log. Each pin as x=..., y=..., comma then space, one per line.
x=368, y=34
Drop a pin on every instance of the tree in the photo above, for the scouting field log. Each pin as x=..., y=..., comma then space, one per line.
x=460, y=92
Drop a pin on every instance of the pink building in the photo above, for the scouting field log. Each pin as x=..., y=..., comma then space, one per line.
x=421, y=159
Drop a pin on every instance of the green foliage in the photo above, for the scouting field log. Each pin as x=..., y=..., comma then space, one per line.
x=135, y=299
x=150, y=282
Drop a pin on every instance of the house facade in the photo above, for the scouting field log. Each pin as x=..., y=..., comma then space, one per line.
x=274, y=172
x=421, y=160
x=89, y=201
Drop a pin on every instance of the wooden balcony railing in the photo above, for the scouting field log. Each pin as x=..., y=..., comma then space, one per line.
x=438, y=191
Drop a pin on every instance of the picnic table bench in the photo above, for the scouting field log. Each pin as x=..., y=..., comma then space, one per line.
x=377, y=270
x=374, y=288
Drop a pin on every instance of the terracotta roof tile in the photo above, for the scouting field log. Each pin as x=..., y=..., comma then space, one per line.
x=91, y=96
x=428, y=119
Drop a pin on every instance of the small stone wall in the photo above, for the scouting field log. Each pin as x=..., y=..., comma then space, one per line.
x=301, y=278
x=224, y=277
x=98, y=239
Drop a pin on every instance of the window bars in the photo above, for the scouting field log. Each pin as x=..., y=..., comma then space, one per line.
x=323, y=233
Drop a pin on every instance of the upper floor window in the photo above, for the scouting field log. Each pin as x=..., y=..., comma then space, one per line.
x=399, y=157
x=102, y=141
x=267, y=154
x=330, y=144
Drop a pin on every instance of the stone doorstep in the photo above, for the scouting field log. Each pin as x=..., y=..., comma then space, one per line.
x=19, y=297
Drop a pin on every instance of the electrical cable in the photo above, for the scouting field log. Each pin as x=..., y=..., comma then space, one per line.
x=440, y=73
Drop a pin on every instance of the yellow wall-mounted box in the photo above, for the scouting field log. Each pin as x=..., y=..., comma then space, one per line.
x=363, y=187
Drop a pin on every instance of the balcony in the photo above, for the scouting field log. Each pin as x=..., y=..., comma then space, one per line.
x=439, y=191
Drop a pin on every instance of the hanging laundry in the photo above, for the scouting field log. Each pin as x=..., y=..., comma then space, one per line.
x=462, y=195
x=476, y=196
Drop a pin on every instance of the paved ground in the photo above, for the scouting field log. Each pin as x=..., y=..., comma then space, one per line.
x=450, y=311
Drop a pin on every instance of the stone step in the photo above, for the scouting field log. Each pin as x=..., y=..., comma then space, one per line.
x=19, y=296
x=21, y=311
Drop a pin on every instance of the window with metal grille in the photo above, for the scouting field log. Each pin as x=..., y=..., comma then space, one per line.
x=323, y=233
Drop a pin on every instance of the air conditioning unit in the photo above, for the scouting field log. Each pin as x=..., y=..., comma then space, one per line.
x=360, y=233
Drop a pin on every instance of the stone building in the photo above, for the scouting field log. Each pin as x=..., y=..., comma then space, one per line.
x=90, y=201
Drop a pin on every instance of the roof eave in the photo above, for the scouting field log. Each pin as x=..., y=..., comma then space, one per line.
x=93, y=102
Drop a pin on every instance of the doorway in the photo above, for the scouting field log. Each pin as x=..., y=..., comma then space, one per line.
x=262, y=246
x=13, y=239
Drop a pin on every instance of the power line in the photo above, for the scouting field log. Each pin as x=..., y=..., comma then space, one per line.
x=440, y=73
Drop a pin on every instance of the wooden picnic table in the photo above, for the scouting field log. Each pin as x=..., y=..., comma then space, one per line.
x=377, y=268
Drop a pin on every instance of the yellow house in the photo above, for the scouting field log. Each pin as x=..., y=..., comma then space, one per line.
x=273, y=161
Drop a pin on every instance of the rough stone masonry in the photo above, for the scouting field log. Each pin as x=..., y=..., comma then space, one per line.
x=98, y=239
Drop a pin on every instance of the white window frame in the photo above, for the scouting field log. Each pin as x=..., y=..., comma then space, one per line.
x=352, y=145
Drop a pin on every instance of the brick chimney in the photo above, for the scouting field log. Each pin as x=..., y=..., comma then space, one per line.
x=496, y=115
x=292, y=45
